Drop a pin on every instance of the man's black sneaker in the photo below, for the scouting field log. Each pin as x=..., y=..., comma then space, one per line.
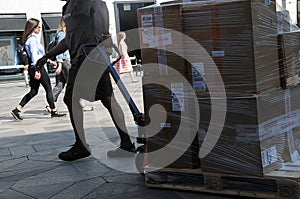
x=57, y=114
x=122, y=152
x=74, y=153
x=16, y=114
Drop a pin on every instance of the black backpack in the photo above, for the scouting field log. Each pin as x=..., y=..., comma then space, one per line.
x=22, y=55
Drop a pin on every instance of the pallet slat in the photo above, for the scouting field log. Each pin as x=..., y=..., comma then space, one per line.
x=283, y=183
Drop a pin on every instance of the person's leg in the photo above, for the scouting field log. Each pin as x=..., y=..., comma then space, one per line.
x=34, y=87
x=80, y=148
x=45, y=81
x=75, y=110
x=133, y=80
x=104, y=93
x=59, y=86
x=118, y=118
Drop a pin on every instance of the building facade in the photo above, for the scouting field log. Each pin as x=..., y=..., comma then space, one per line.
x=123, y=16
x=14, y=13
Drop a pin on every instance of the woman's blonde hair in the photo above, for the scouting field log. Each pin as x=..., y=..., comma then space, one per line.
x=120, y=36
x=61, y=26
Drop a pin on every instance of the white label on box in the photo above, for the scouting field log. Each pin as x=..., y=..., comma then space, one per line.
x=198, y=77
x=154, y=42
x=146, y=20
x=177, y=97
x=165, y=125
x=147, y=35
x=167, y=39
x=160, y=40
x=218, y=53
x=147, y=30
x=269, y=156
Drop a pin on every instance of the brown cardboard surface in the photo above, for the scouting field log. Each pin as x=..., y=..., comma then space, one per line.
x=240, y=36
x=168, y=18
x=167, y=120
x=289, y=58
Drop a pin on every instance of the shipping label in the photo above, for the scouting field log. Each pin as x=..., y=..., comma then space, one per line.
x=147, y=28
x=269, y=156
x=199, y=84
x=177, y=96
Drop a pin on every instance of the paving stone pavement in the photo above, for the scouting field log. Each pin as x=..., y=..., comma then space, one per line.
x=30, y=168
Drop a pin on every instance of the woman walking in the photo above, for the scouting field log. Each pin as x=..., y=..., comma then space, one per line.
x=124, y=65
x=63, y=61
x=35, y=51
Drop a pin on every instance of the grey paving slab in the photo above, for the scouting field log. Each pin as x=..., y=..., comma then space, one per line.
x=9, y=164
x=22, y=150
x=80, y=189
x=118, y=190
x=30, y=168
x=42, y=191
x=4, y=152
x=92, y=168
x=6, y=185
x=12, y=194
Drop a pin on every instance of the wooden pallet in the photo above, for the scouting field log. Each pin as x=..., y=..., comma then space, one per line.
x=284, y=183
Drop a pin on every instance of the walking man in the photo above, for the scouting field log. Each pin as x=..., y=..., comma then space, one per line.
x=88, y=22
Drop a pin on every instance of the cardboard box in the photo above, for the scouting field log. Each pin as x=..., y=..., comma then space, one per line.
x=295, y=105
x=172, y=126
x=289, y=59
x=161, y=46
x=240, y=37
x=255, y=129
x=239, y=41
x=255, y=138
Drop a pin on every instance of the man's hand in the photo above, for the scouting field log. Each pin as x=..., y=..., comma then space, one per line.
x=41, y=62
x=37, y=75
x=53, y=63
x=58, y=70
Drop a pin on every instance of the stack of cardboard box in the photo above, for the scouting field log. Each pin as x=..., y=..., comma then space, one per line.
x=228, y=53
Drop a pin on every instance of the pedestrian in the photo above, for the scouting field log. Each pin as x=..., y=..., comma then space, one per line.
x=35, y=51
x=124, y=65
x=88, y=22
x=63, y=64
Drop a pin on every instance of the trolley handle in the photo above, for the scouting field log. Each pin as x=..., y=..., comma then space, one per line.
x=84, y=47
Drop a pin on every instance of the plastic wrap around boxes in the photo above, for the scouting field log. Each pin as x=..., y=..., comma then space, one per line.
x=242, y=65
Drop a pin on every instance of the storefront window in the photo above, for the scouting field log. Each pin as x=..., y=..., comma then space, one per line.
x=7, y=51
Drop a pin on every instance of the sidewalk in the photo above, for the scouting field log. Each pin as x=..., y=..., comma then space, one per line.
x=30, y=168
